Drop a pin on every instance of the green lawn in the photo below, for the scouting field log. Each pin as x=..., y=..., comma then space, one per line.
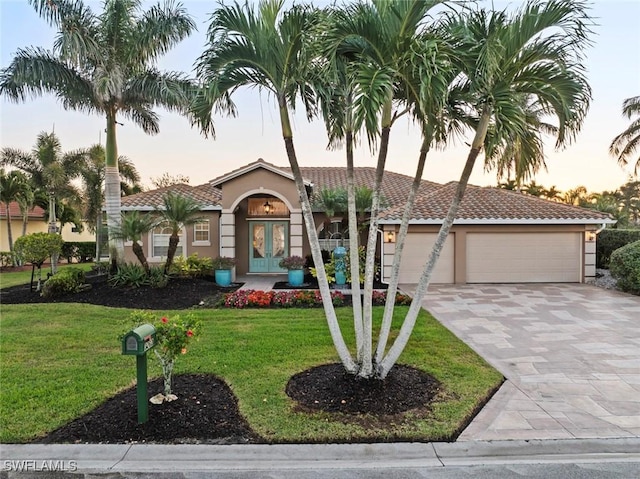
x=59, y=361
x=8, y=279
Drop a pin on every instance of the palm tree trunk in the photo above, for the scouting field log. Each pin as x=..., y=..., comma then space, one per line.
x=366, y=367
x=112, y=192
x=9, y=231
x=416, y=304
x=307, y=214
x=138, y=251
x=389, y=306
x=53, y=229
x=174, y=239
x=354, y=254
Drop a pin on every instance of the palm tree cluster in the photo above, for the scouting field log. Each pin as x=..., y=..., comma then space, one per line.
x=67, y=185
x=506, y=77
x=365, y=65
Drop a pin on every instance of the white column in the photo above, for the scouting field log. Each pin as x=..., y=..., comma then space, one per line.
x=296, y=232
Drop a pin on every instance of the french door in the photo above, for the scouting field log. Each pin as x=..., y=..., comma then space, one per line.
x=269, y=243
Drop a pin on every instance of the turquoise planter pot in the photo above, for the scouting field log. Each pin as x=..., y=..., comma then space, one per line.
x=295, y=277
x=223, y=277
x=341, y=278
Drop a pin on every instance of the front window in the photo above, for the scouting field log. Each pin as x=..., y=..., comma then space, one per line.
x=160, y=242
x=201, y=232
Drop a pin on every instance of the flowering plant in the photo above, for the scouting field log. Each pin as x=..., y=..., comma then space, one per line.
x=292, y=262
x=172, y=338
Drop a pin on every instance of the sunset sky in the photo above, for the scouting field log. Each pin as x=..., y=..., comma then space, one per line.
x=613, y=65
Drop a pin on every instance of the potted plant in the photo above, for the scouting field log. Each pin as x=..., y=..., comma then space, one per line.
x=295, y=269
x=222, y=266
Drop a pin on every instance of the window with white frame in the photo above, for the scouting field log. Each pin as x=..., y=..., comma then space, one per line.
x=160, y=242
x=201, y=233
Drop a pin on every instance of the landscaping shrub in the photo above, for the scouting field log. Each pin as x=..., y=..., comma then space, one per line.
x=6, y=259
x=68, y=280
x=129, y=274
x=625, y=267
x=609, y=240
x=192, y=266
x=157, y=278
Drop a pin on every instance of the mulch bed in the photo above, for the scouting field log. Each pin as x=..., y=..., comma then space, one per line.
x=180, y=293
x=206, y=412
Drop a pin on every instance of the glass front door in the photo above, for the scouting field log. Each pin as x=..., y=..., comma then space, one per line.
x=269, y=244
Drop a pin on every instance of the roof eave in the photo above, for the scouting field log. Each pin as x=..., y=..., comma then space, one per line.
x=506, y=221
x=250, y=168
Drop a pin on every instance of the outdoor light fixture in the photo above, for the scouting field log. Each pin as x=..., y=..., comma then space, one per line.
x=591, y=236
x=267, y=207
x=390, y=236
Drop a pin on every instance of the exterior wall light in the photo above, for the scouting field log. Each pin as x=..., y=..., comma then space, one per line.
x=390, y=237
x=267, y=207
x=591, y=236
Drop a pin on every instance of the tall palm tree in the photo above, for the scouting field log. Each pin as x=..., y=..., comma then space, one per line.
x=50, y=171
x=133, y=227
x=92, y=176
x=265, y=47
x=576, y=196
x=176, y=212
x=104, y=63
x=552, y=193
x=626, y=143
x=13, y=186
x=537, y=51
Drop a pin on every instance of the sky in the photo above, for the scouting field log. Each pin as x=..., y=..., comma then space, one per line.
x=613, y=66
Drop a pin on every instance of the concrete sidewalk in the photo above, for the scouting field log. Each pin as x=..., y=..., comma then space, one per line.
x=138, y=458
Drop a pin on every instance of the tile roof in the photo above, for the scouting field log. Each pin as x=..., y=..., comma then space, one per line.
x=259, y=163
x=395, y=186
x=207, y=195
x=494, y=205
x=14, y=211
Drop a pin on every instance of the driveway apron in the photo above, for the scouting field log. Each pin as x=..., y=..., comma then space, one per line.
x=570, y=353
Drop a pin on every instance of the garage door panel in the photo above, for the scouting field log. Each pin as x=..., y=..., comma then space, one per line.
x=523, y=257
x=417, y=249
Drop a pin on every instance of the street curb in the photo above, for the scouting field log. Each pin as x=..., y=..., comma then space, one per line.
x=141, y=458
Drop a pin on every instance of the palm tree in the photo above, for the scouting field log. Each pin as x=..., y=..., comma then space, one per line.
x=105, y=64
x=553, y=194
x=92, y=176
x=576, y=196
x=13, y=187
x=626, y=143
x=133, y=226
x=50, y=171
x=262, y=46
x=534, y=189
x=176, y=212
x=536, y=52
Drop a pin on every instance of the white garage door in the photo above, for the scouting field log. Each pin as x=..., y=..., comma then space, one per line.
x=415, y=254
x=523, y=257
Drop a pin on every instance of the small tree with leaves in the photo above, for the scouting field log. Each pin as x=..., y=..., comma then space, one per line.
x=36, y=248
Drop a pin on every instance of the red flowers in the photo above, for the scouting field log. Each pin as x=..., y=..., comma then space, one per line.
x=189, y=333
x=164, y=319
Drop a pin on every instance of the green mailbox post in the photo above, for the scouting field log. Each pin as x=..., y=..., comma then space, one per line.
x=136, y=343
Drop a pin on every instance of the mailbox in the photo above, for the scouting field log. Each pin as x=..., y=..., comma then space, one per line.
x=140, y=340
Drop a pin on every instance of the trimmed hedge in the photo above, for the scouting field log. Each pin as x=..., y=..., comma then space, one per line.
x=609, y=240
x=625, y=267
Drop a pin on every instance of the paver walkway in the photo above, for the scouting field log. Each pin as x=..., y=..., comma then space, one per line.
x=570, y=353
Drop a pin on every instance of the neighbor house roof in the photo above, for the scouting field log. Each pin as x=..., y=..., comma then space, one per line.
x=206, y=195
x=483, y=205
x=14, y=211
x=260, y=163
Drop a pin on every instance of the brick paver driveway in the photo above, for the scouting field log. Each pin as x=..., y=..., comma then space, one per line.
x=570, y=353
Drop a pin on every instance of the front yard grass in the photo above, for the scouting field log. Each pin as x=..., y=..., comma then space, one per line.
x=59, y=361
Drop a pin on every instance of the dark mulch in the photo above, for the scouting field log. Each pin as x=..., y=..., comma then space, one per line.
x=330, y=388
x=206, y=411
x=180, y=293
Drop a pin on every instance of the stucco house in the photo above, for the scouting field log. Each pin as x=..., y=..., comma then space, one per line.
x=253, y=214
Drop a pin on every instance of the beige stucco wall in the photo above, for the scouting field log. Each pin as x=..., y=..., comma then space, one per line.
x=257, y=182
x=189, y=248
x=33, y=226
